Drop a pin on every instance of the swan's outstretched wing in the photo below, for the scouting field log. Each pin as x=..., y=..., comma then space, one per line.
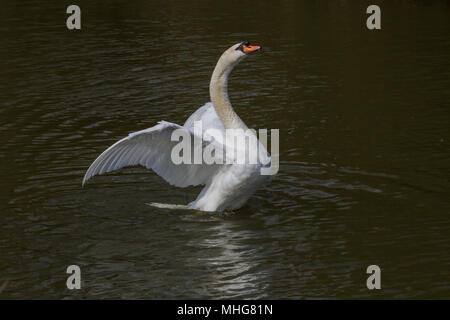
x=208, y=116
x=152, y=149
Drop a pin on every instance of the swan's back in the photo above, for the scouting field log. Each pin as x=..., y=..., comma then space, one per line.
x=210, y=120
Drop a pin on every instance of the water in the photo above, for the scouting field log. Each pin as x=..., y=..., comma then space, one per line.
x=363, y=118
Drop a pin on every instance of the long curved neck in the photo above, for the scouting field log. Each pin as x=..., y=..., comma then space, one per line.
x=218, y=90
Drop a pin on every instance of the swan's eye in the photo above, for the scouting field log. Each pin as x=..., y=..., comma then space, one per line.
x=243, y=45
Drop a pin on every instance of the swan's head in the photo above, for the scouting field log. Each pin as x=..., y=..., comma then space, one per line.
x=231, y=57
x=245, y=48
x=237, y=52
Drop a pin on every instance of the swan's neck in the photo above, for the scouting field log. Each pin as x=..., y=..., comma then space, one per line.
x=218, y=90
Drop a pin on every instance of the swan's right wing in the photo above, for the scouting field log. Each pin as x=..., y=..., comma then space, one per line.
x=152, y=149
x=208, y=116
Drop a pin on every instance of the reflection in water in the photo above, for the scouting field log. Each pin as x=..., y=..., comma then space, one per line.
x=232, y=267
x=364, y=173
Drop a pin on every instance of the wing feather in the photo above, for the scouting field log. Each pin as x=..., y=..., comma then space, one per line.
x=152, y=149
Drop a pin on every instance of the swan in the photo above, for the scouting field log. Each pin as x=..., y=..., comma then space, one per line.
x=227, y=186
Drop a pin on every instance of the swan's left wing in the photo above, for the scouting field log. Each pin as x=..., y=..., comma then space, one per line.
x=152, y=149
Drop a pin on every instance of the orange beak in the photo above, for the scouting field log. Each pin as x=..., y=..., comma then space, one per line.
x=249, y=49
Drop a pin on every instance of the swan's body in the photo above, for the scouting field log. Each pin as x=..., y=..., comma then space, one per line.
x=227, y=186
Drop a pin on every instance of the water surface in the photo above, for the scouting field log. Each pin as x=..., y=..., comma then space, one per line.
x=364, y=128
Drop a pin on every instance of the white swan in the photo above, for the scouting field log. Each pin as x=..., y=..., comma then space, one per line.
x=227, y=186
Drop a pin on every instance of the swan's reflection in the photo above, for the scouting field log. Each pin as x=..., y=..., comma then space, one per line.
x=233, y=263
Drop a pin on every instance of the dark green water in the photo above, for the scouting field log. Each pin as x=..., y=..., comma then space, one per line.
x=364, y=129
